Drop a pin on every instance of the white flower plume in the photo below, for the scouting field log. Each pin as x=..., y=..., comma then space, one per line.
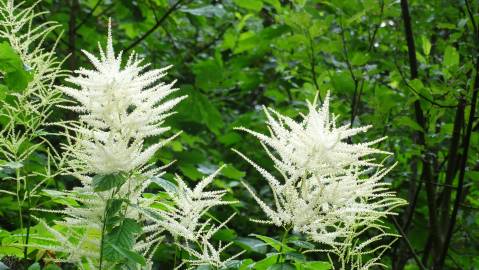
x=184, y=218
x=332, y=189
x=315, y=144
x=120, y=106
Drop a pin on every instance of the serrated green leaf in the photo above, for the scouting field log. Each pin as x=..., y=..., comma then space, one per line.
x=129, y=254
x=122, y=236
x=108, y=181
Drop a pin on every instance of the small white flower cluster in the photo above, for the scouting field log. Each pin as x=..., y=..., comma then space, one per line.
x=183, y=218
x=332, y=189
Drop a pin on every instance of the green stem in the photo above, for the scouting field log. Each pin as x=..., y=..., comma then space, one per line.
x=283, y=240
x=29, y=205
x=174, y=258
x=103, y=232
x=20, y=204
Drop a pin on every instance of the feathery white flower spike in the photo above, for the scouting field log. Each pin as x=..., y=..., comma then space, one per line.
x=332, y=190
x=119, y=107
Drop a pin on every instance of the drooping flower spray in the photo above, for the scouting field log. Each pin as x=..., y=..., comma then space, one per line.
x=332, y=190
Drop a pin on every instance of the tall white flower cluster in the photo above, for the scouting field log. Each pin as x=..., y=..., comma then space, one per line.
x=120, y=105
x=331, y=190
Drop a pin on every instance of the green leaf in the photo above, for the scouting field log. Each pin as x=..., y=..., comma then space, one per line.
x=52, y=266
x=206, y=11
x=15, y=77
x=3, y=91
x=122, y=236
x=251, y=244
x=451, y=57
x=129, y=254
x=17, y=80
x=426, y=45
x=225, y=235
x=419, y=87
x=190, y=171
x=408, y=122
x=108, y=181
x=231, y=172
x=274, y=243
x=343, y=82
x=165, y=184
x=9, y=59
x=208, y=74
x=314, y=265
x=359, y=59
x=266, y=262
x=253, y=5
x=198, y=108
x=281, y=266
x=35, y=266
x=302, y=244
x=114, y=206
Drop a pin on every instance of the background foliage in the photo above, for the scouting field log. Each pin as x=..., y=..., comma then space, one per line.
x=411, y=72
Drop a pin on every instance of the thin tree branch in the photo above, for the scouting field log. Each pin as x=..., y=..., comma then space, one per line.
x=87, y=17
x=452, y=162
x=74, y=9
x=313, y=64
x=410, y=247
x=158, y=24
x=405, y=81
